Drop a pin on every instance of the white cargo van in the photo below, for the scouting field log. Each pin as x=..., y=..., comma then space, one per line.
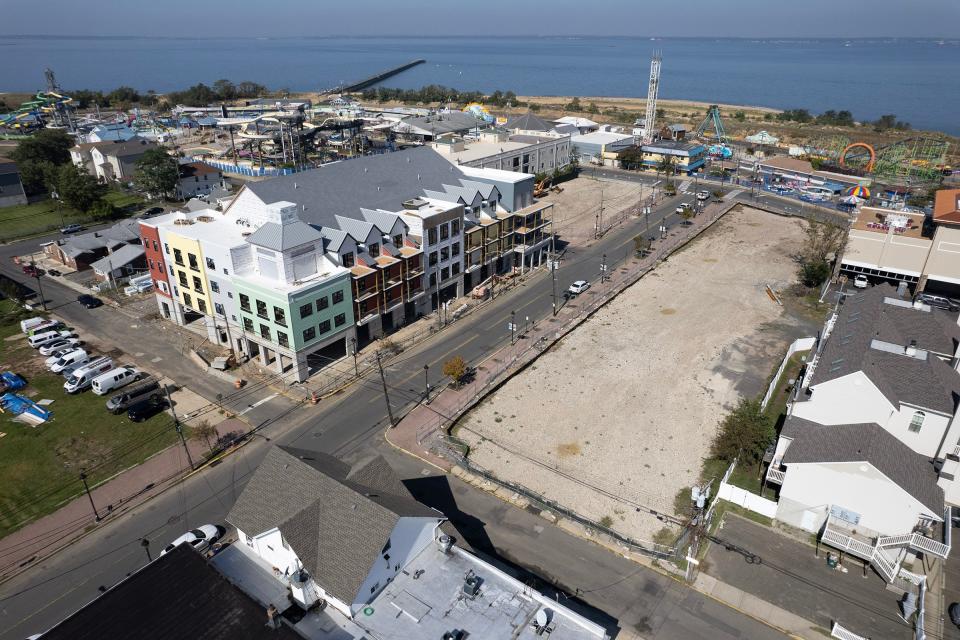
x=114, y=379
x=27, y=325
x=44, y=327
x=40, y=339
x=85, y=375
x=71, y=359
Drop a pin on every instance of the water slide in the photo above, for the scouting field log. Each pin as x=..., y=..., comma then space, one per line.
x=43, y=103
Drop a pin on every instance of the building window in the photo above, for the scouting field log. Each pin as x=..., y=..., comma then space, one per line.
x=262, y=309
x=166, y=248
x=340, y=319
x=182, y=277
x=454, y=227
x=187, y=300
x=347, y=260
x=433, y=278
x=398, y=240
x=155, y=247
x=247, y=324
x=444, y=273
x=245, y=302
x=322, y=303
x=433, y=258
x=455, y=249
x=361, y=285
x=432, y=236
x=151, y=265
x=324, y=327
x=197, y=285
x=455, y=268
x=201, y=306
x=225, y=272
x=309, y=334
x=178, y=257
x=218, y=308
x=211, y=265
x=306, y=310
x=916, y=422
x=216, y=287
x=264, y=331
x=280, y=316
x=337, y=297
x=444, y=231
x=192, y=259
x=374, y=249
x=444, y=254
x=282, y=339
x=230, y=294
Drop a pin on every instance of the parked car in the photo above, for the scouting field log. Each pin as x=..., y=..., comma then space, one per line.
x=56, y=355
x=83, y=376
x=56, y=345
x=38, y=340
x=861, y=282
x=32, y=271
x=684, y=206
x=42, y=327
x=153, y=211
x=73, y=359
x=133, y=395
x=114, y=379
x=146, y=409
x=200, y=538
x=940, y=302
x=89, y=302
x=954, y=612
x=53, y=272
x=578, y=287
x=28, y=325
x=72, y=228
x=703, y=195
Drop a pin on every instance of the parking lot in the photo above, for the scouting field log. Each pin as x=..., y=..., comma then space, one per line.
x=616, y=419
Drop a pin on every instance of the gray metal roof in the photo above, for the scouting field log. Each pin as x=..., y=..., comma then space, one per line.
x=281, y=237
x=119, y=258
x=382, y=220
x=332, y=238
x=336, y=518
x=359, y=230
x=870, y=443
x=440, y=123
x=382, y=181
x=928, y=383
x=528, y=122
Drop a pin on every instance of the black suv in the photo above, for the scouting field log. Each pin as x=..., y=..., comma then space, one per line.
x=146, y=409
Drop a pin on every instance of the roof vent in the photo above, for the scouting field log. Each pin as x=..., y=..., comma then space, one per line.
x=911, y=349
x=445, y=542
x=204, y=218
x=471, y=584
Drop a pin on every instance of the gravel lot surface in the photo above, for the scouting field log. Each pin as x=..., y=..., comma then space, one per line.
x=617, y=418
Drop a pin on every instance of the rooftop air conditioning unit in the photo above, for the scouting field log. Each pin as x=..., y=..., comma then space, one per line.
x=471, y=584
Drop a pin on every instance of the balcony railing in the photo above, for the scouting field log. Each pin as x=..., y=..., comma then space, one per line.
x=775, y=475
x=367, y=293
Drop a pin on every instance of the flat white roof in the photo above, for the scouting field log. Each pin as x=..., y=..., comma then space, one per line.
x=601, y=137
x=215, y=227
x=496, y=174
x=477, y=150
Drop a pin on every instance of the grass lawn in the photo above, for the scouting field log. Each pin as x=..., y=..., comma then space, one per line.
x=39, y=217
x=40, y=467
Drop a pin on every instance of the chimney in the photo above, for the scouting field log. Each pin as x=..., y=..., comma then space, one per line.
x=911, y=349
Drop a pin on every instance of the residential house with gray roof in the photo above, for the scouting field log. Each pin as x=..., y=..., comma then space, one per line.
x=11, y=188
x=82, y=250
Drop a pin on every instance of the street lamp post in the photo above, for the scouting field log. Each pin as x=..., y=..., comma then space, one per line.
x=513, y=327
x=353, y=346
x=426, y=382
x=146, y=547
x=603, y=269
x=36, y=274
x=86, y=487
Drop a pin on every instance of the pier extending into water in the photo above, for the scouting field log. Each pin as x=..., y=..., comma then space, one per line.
x=380, y=77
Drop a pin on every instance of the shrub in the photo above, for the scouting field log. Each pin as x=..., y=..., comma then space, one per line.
x=814, y=274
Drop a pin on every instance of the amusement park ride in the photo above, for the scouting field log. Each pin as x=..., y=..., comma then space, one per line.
x=49, y=108
x=913, y=161
x=718, y=143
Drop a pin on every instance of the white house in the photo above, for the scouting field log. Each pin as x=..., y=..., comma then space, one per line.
x=117, y=160
x=198, y=179
x=333, y=532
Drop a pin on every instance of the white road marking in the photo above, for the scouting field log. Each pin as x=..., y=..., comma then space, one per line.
x=258, y=403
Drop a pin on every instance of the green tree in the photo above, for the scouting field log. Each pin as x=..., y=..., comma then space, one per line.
x=225, y=89
x=745, y=433
x=205, y=431
x=103, y=210
x=739, y=116
x=661, y=114
x=47, y=145
x=78, y=189
x=37, y=177
x=665, y=166
x=631, y=158
x=822, y=241
x=573, y=105
x=123, y=96
x=814, y=274
x=156, y=172
x=592, y=108
x=455, y=368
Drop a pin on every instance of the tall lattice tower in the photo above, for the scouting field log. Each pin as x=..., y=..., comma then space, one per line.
x=649, y=122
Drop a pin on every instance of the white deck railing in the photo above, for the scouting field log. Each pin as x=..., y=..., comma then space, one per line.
x=844, y=634
x=775, y=475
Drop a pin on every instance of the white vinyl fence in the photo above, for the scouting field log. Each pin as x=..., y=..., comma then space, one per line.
x=800, y=344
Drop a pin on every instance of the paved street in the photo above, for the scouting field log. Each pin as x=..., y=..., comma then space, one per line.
x=789, y=575
x=350, y=426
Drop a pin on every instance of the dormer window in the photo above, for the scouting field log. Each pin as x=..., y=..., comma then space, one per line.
x=374, y=249
x=916, y=422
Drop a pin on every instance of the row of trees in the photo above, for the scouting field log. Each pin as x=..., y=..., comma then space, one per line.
x=435, y=93
x=199, y=94
x=842, y=118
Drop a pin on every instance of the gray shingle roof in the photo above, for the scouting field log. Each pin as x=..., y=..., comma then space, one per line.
x=528, y=122
x=864, y=317
x=281, y=237
x=382, y=220
x=335, y=518
x=438, y=124
x=121, y=257
x=870, y=443
x=382, y=181
x=133, y=147
x=359, y=230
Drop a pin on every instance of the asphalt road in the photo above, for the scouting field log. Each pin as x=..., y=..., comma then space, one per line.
x=350, y=426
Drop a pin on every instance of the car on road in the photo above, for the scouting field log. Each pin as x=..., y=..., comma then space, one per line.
x=861, y=282
x=703, y=195
x=53, y=272
x=146, y=409
x=578, y=287
x=72, y=228
x=200, y=538
x=89, y=302
x=56, y=345
x=684, y=206
x=32, y=271
x=940, y=302
x=954, y=611
x=153, y=211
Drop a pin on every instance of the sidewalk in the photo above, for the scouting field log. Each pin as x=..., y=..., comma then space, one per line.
x=757, y=608
x=114, y=496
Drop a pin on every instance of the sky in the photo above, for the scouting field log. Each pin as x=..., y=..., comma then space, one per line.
x=485, y=18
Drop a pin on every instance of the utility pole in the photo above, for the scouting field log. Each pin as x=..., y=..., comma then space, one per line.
x=36, y=274
x=353, y=346
x=439, y=319
x=386, y=396
x=603, y=269
x=700, y=495
x=426, y=382
x=146, y=547
x=513, y=327
x=226, y=322
x=178, y=427
x=86, y=487
x=600, y=215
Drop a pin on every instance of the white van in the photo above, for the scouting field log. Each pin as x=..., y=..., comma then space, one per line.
x=40, y=339
x=114, y=379
x=71, y=359
x=85, y=375
x=27, y=325
x=44, y=327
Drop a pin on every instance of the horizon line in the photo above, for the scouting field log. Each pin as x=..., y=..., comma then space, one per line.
x=448, y=36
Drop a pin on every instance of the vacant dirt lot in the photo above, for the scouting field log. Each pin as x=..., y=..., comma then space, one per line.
x=618, y=417
x=576, y=207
